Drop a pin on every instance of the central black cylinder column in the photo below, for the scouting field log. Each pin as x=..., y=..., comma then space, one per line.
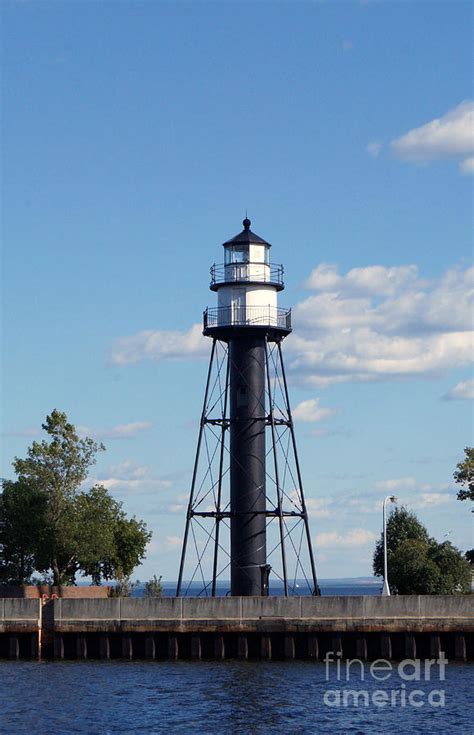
x=247, y=465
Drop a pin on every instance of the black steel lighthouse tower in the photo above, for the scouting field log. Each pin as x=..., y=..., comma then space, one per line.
x=247, y=516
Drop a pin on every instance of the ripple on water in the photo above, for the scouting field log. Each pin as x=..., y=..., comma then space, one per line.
x=248, y=698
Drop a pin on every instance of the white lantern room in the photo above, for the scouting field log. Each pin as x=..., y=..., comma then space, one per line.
x=247, y=283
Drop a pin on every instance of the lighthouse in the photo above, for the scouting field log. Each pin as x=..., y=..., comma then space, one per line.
x=246, y=474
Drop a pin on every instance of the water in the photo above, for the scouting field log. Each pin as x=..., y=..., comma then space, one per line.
x=328, y=587
x=220, y=697
x=245, y=698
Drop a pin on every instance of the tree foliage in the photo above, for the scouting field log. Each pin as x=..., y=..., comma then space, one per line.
x=417, y=564
x=22, y=515
x=48, y=523
x=402, y=525
x=154, y=587
x=464, y=475
x=470, y=556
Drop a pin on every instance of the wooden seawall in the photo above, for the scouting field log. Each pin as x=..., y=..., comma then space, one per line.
x=242, y=627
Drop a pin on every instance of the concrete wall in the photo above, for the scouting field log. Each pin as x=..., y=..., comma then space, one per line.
x=19, y=609
x=273, y=613
x=254, y=612
x=19, y=615
x=262, y=615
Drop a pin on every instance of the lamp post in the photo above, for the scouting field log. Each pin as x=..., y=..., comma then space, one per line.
x=386, y=588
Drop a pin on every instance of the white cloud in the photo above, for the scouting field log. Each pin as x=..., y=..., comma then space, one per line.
x=369, y=281
x=449, y=136
x=120, y=431
x=319, y=507
x=399, y=483
x=364, y=506
x=176, y=508
x=374, y=148
x=158, y=345
x=380, y=323
x=462, y=391
x=369, y=324
x=467, y=166
x=432, y=500
x=355, y=537
x=336, y=431
x=172, y=542
x=310, y=411
x=128, y=478
x=28, y=433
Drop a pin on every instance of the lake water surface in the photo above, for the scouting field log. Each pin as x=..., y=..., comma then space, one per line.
x=219, y=697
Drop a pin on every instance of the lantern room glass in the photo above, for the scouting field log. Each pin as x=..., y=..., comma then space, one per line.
x=237, y=254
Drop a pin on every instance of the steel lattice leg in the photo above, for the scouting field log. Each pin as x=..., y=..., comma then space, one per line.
x=224, y=427
x=196, y=462
x=277, y=477
x=316, y=590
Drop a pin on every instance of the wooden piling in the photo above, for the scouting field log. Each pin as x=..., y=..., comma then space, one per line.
x=81, y=647
x=289, y=646
x=386, y=647
x=410, y=646
x=173, y=648
x=196, y=649
x=104, y=647
x=127, y=647
x=242, y=647
x=313, y=647
x=219, y=646
x=13, y=647
x=460, y=651
x=265, y=647
x=150, y=648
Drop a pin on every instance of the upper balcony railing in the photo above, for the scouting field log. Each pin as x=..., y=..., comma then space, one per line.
x=247, y=316
x=248, y=273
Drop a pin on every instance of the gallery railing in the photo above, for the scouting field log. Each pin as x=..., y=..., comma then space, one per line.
x=247, y=272
x=247, y=316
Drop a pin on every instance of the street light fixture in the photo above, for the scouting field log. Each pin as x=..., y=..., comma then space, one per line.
x=386, y=588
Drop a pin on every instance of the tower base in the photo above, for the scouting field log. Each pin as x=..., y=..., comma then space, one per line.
x=246, y=518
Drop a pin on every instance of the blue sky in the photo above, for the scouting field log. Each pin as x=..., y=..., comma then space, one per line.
x=135, y=137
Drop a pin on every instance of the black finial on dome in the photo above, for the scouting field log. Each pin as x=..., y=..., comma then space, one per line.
x=246, y=236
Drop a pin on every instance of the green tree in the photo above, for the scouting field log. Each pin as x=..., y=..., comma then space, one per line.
x=402, y=525
x=411, y=571
x=470, y=556
x=417, y=564
x=22, y=512
x=57, y=468
x=79, y=532
x=464, y=475
x=154, y=587
x=115, y=544
x=454, y=569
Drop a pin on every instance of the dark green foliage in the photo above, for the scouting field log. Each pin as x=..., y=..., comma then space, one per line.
x=22, y=520
x=411, y=571
x=115, y=544
x=417, y=564
x=464, y=475
x=52, y=526
x=401, y=526
x=124, y=587
x=454, y=569
x=154, y=587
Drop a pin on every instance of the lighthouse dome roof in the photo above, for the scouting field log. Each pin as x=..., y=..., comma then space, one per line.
x=246, y=236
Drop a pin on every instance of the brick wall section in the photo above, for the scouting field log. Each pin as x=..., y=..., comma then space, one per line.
x=32, y=592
